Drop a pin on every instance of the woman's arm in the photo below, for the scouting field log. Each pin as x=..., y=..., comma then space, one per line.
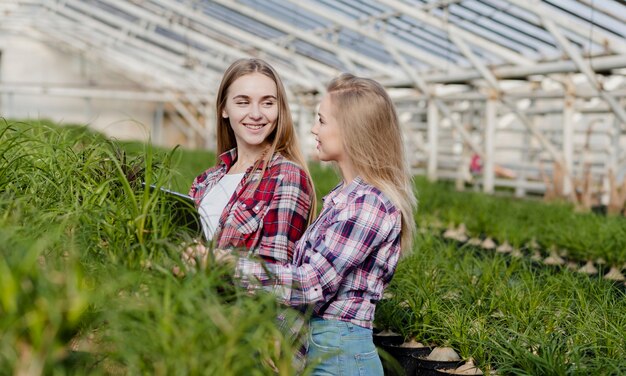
x=286, y=218
x=356, y=231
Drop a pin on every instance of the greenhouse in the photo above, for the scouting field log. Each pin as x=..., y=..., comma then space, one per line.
x=513, y=123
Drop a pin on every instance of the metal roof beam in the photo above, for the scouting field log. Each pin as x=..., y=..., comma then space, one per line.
x=119, y=59
x=122, y=59
x=345, y=22
x=533, y=35
x=493, y=82
x=128, y=31
x=529, y=93
x=260, y=43
x=188, y=116
x=601, y=63
x=488, y=45
x=363, y=60
x=441, y=106
x=516, y=22
x=438, y=4
x=191, y=35
x=598, y=36
x=586, y=70
x=86, y=92
x=508, y=34
x=598, y=7
x=478, y=64
x=111, y=36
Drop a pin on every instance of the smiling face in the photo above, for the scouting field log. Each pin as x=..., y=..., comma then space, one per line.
x=327, y=133
x=252, y=110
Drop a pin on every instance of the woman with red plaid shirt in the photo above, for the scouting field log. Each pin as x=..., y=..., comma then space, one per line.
x=259, y=196
x=348, y=256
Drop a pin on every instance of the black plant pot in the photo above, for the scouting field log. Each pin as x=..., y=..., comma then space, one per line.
x=425, y=367
x=405, y=356
x=395, y=339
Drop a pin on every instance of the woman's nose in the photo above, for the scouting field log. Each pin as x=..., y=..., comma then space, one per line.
x=314, y=128
x=255, y=112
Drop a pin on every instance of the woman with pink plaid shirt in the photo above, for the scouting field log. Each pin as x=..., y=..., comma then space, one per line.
x=347, y=257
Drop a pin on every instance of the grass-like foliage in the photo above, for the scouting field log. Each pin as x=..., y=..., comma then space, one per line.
x=506, y=313
x=586, y=236
x=86, y=287
x=85, y=267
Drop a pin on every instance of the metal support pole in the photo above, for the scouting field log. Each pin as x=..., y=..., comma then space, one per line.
x=585, y=68
x=10, y=107
x=157, y=124
x=433, y=137
x=568, y=141
x=615, y=145
x=88, y=109
x=613, y=164
x=520, y=189
x=490, y=128
x=181, y=125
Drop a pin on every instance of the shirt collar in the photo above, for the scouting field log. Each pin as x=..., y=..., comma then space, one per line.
x=228, y=157
x=341, y=193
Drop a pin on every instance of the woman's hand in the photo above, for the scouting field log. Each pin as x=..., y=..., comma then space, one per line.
x=193, y=257
x=224, y=257
x=196, y=257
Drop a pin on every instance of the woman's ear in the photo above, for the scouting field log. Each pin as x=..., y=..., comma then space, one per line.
x=224, y=114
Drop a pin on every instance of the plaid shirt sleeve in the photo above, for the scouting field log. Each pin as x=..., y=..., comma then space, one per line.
x=287, y=215
x=354, y=232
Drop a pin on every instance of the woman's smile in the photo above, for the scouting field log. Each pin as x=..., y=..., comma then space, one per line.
x=254, y=127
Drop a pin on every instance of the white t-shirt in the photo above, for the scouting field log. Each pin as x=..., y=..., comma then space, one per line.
x=214, y=202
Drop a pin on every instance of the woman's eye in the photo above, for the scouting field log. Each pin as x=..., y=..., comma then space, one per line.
x=240, y=103
x=268, y=104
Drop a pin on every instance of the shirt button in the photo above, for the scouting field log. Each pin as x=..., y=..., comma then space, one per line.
x=243, y=205
x=256, y=208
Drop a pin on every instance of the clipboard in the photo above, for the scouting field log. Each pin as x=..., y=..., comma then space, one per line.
x=182, y=207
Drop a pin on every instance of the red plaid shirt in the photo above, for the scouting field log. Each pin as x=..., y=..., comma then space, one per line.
x=267, y=220
x=343, y=261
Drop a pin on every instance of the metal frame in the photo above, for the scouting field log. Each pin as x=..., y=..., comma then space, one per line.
x=177, y=49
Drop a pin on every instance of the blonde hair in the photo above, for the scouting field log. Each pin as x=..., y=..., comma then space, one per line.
x=283, y=138
x=373, y=141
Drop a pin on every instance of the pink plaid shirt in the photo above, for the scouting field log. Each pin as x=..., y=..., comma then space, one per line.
x=344, y=260
x=267, y=220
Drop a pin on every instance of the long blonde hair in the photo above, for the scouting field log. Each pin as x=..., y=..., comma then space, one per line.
x=283, y=138
x=373, y=140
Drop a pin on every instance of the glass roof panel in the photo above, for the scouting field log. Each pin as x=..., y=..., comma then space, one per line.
x=240, y=21
x=496, y=31
x=341, y=8
x=591, y=16
x=287, y=12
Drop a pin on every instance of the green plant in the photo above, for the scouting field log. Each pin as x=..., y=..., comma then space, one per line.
x=96, y=295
